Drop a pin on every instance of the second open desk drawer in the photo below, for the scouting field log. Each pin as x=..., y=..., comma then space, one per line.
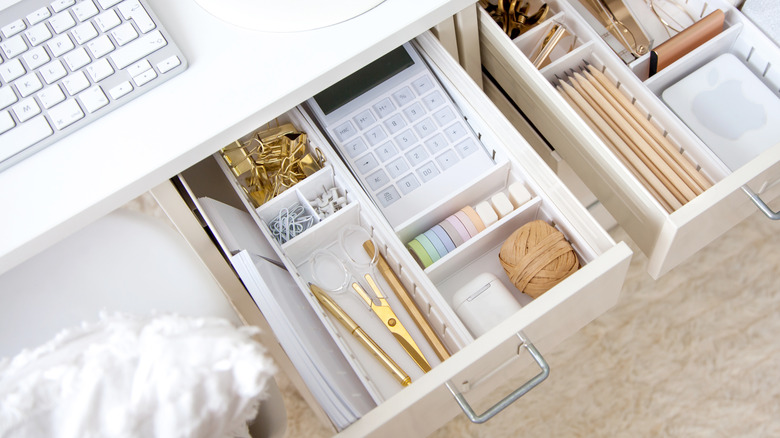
x=666, y=238
x=479, y=365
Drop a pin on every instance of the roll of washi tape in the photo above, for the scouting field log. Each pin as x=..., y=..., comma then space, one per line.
x=466, y=221
x=459, y=228
x=475, y=219
x=419, y=253
x=449, y=228
x=444, y=237
x=437, y=243
x=429, y=248
x=486, y=213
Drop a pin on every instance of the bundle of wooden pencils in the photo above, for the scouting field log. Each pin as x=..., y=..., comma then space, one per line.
x=642, y=147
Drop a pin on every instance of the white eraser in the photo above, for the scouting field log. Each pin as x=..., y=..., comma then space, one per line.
x=486, y=213
x=501, y=204
x=518, y=194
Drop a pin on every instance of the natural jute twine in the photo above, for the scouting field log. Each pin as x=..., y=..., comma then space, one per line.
x=536, y=257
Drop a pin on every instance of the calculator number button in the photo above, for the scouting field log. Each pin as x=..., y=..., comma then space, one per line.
x=422, y=85
x=403, y=96
x=345, y=131
x=395, y=123
x=386, y=152
x=408, y=183
x=428, y=171
x=414, y=112
x=388, y=196
x=365, y=119
x=397, y=167
x=366, y=163
x=355, y=147
x=444, y=116
x=375, y=135
x=377, y=179
x=466, y=147
x=425, y=128
x=405, y=139
x=433, y=100
x=447, y=159
x=436, y=143
x=384, y=108
x=416, y=155
x=455, y=131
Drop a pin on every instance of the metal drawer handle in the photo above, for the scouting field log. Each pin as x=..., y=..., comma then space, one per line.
x=508, y=400
x=761, y=204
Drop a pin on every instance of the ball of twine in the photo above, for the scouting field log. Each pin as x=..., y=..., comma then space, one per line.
x=536, y=257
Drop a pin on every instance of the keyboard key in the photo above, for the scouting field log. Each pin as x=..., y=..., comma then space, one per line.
x=403, y=96
x=7, y=96
x=11, y=70
x=14, y=46
x=38, y=34
x=124, y=34
x=138, y=68
x=144, y=77
x=137, y=49
x=84, y=32
x=395, y=123
x=99, y=70
x=436, y=144
x=355, y=147
x=386, y=152
x=447, y=159
x=65, y=113
x=76, y=58
x=6, y=122
x=375, y=135
x=60, y=44
x=388, y=196
x=75, y=82
x=433, y=100
x=377, y=179
x=408, y=183
x=466, y=147
x=455, y=131
x=366, y=163
x=51, y=96
x=405, y=139
x=61, y=5
x=397, y=167
x=38, y=15
x=100, y=47
x=168, y=64
x=62, y=22
x=444, y=116
x=23, y=136
x=28, y=84
x=428, y=171
x=416, y=155
x=344, y=131
x=105, y=4
x=13, y=28
x=422, y=85
x=35, y=58
x=26, y=109
x=84, y=10
x=414, y=112
x=107, y=20
x=384, y=107
x=425, y=128
x=120, y=90
x=364, y=119
x=133, y=10
x=93, y=99
x=53, y=71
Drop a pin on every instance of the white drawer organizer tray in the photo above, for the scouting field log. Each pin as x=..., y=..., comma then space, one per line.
x=476, y=366
x=666, y=238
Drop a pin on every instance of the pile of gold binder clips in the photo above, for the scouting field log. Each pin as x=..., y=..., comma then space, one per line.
x=513, y=15
x=271, y=161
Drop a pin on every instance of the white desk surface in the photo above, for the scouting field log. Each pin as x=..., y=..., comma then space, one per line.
x=237, y=80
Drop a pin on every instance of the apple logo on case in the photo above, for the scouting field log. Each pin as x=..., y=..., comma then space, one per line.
x=725, y=110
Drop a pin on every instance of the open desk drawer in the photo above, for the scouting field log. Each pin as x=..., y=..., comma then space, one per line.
x=666, y=238
x=476, y=366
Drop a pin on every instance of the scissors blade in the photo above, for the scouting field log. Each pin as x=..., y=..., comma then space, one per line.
x=413, y=351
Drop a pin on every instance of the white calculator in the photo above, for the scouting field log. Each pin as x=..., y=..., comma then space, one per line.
x=400, y=134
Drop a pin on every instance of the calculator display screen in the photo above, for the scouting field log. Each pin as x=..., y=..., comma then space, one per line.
x=363, y=80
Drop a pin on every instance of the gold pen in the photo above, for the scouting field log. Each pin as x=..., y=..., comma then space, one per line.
x=328, y=303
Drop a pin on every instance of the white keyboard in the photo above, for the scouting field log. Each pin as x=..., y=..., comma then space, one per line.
x=66, y=63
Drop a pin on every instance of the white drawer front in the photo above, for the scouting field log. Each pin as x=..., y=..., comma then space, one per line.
x=667, y=238
x=477, y=366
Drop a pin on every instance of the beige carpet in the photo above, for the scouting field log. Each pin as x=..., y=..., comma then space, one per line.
x=694, y=354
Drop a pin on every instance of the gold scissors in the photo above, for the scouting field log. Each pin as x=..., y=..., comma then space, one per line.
x=391, y=321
